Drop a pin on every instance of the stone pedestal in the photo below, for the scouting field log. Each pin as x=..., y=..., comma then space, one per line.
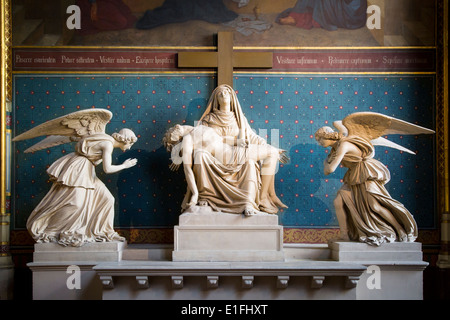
x=205, y=235
x=394, y=270
x=66, y=273
x=97, y=251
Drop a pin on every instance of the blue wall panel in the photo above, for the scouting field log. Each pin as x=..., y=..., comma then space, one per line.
x=289, y=109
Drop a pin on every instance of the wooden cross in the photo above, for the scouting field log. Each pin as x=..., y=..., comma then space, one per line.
x=224, y=59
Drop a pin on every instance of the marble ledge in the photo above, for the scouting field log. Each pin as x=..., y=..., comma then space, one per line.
x=143, y=271
x=294, y=268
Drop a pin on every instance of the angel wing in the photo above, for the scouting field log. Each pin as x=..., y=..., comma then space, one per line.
x=67, y=128
x=387, y=143
x=341, y=128
x=372, y=126
x=50, y=141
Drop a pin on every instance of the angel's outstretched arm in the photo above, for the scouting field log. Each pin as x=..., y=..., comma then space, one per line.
x=108, y=167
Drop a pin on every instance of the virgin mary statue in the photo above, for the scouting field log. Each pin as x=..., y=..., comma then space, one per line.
x=233, y=186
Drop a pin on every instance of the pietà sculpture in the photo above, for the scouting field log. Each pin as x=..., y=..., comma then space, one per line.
x=79, y=208
x=365, y=210
x=240, y=184
x=186, y=142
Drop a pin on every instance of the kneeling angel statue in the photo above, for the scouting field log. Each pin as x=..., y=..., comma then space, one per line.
x=79, y=208
x=364, y=208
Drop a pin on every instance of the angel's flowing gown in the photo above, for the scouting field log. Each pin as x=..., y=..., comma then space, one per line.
x=78, y=208
x=364, y=195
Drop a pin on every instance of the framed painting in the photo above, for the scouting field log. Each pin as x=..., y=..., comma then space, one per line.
x=256, y=23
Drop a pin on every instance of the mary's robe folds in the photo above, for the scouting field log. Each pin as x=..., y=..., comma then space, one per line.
x=234, y=185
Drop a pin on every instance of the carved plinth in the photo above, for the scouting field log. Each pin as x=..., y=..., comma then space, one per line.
x=96, y=251
x=394, y=270
x=65, y=273
x=204, y=235
x=350, y=251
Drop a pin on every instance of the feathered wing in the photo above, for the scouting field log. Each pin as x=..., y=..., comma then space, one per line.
x=341, y=128
x=372, y=126
x=73, y=125
x=50, y=141
x=387, y=143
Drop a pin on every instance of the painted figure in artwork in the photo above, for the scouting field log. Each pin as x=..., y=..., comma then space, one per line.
x=365, y=210
x=104, y=15
x=191, y=142
x=178, y=11
x=327, y=14
x=79, y=208
x=239, y=186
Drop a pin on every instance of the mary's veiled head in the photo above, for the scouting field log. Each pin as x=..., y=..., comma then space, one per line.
x=223, y=95
x=215, y=114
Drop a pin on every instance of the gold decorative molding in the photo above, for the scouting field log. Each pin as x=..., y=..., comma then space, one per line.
x=442, y=134
x=442, y=109
x=5, y=104
x=6, y=33
x=212, y=48
x=6, y=92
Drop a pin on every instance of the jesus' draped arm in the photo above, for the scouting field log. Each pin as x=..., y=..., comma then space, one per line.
x=187, y=156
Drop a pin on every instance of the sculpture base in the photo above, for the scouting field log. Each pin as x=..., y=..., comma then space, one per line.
x=349, y=251
x=66, y=273
x=394, y=270
x=205, y=235
x=95, y=251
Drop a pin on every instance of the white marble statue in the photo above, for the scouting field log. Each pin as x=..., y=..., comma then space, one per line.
x=364, y=209
x=78, y=208
x=231, y=180
x=186, y=143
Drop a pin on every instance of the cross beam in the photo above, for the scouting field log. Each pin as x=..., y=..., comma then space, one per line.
x=225, y=59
